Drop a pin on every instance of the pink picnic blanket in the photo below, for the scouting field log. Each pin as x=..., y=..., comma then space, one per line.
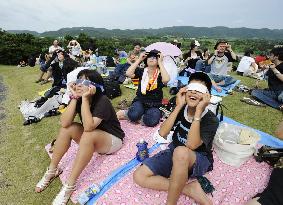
x=233, y=186
x=101, y=166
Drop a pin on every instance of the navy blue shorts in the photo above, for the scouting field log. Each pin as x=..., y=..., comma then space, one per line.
x=162, y=163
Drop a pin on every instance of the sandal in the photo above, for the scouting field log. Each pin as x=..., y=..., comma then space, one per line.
x=252, y=102
x=242, y=88
x=44, y=82
x=64, y=195
x=47, y=178
x=39, y=80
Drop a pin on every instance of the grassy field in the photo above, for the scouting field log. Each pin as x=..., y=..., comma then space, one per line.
x=23, y=158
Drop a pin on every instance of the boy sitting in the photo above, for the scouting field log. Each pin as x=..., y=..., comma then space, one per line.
x=189, y=155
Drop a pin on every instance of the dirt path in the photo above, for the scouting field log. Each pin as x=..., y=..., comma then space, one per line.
x=2, y=98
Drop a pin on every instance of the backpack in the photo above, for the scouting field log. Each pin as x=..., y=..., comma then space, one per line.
x=110, y=62
x=270, y=155
x=112, y=88
x=31, y=61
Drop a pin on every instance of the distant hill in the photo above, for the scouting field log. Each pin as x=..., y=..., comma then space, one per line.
x=178, y=31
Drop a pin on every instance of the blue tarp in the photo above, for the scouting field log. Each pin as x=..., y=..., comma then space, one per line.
x=184, y=80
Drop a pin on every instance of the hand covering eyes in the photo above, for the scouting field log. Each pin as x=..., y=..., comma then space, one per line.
x=88, y=83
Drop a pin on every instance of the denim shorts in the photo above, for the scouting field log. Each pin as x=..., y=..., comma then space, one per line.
x=162, y=163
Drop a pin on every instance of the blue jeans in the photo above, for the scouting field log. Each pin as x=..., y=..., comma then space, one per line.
x=43, y=67
x=150, y=116
x=269, y=97
x=200, y=66
x=120, y=72
x=228, y=80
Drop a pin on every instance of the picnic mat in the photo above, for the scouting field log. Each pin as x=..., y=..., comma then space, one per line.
x=225, y=90
x=233, y=185
x=101, y=166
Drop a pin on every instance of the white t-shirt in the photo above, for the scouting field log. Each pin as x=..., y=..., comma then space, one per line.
x=245, y=63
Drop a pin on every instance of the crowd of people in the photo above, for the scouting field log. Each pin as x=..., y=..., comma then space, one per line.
x=194, y=126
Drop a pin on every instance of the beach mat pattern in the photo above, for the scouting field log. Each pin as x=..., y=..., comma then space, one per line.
x=101, y=166
x=233, y=185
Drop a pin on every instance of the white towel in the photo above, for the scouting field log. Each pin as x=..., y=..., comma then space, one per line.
x=144, y=81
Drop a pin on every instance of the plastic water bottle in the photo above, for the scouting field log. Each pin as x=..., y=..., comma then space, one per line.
x=142, y=153
x=88, y=194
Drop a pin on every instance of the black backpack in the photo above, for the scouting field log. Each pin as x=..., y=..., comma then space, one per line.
x=110, y=62
x=272, y=156
x=112, y=88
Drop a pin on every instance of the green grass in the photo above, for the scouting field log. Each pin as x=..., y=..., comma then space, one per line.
x=23, y=159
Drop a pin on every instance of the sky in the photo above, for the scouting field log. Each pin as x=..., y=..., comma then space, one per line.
x=49, y=15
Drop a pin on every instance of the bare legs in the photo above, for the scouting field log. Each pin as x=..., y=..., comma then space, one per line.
x=89, y=142
x=63, y=142
x=177, y=184
x=183, y=160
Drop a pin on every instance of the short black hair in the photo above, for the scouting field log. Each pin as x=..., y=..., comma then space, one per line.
x=205, y=49
x=137, y=44
x=152, y=53
x=248, y=52
x=203, y=77
x=218, y=42
x=278, y=51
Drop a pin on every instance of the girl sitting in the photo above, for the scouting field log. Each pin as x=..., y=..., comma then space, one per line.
x=145, y=106
x=99, y=131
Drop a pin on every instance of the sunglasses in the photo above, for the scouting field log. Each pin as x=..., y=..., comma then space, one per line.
x=88, y=83
x=152, y=57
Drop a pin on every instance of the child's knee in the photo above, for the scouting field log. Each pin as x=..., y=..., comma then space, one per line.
x=139, y=177
x=152, y=118
x=134, y=115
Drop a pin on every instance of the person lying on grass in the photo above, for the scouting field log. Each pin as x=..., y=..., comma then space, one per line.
x=145, y=106
x=190, y=154
x=99, y=131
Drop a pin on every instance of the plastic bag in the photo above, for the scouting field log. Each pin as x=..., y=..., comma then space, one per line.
x=227, y=144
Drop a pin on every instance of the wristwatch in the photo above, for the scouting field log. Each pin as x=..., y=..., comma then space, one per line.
x=196, y=119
